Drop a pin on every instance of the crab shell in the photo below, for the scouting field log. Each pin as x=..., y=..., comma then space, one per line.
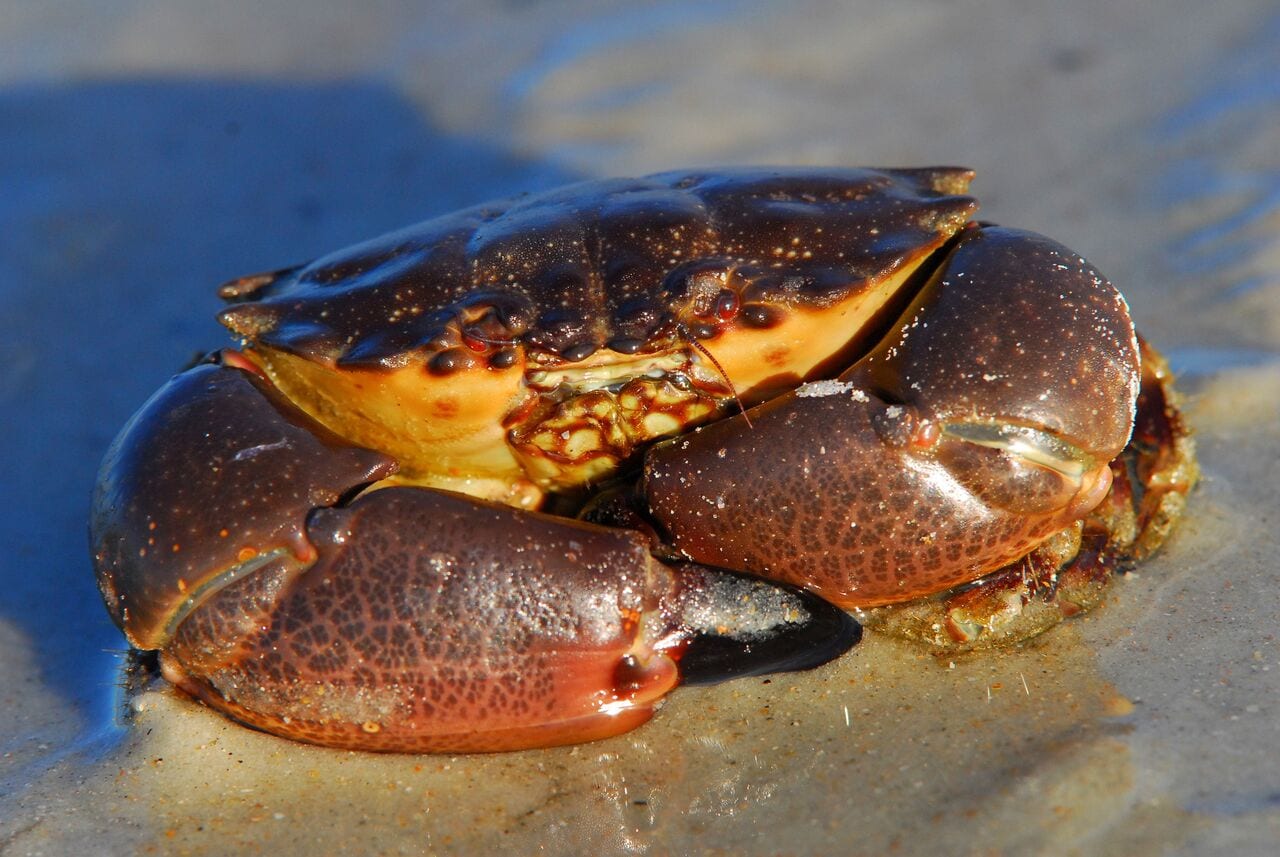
x=331, y=536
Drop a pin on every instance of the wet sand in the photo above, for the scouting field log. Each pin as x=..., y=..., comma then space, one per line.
x=150, y=151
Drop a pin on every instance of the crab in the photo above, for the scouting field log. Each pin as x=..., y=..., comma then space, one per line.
x=503, y=479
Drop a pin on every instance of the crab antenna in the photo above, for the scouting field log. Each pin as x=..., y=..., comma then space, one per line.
x=688, y=337
x=492, y=341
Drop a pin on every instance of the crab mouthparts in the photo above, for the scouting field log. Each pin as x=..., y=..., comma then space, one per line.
x=583, y=420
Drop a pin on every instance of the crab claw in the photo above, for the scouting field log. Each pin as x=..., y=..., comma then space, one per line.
x=433, y=622
x=210, y=479
x=982, y=424
x=249, y=546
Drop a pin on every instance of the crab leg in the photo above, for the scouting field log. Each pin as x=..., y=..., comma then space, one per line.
x=982, y=424
x=283, y=585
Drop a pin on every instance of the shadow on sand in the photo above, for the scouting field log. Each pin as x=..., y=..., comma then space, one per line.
x=125, y=204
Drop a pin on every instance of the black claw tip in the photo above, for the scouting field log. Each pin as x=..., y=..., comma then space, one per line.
x=741, y=626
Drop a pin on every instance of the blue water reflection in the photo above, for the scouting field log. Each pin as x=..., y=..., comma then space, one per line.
x=125, y=203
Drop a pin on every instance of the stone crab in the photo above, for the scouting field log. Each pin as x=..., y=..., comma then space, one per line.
x=500, y=479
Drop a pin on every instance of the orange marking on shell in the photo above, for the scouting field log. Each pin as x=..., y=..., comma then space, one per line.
x=444, y=408
x=777, y=356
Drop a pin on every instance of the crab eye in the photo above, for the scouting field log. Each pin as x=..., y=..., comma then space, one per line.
x=727, y=305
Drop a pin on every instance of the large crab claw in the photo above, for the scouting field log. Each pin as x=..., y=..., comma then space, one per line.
x=239, y=538
x=982, y=424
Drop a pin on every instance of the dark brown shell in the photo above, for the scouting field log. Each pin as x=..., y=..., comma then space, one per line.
x=604, y=264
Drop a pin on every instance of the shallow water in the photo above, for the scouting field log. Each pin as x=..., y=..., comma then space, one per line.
x=150, y=151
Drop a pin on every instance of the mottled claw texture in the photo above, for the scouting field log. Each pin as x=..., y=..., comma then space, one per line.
x=971, y=433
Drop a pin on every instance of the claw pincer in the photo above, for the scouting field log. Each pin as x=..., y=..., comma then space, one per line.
x=504, y=479
x=984, y=422
x=404, y=619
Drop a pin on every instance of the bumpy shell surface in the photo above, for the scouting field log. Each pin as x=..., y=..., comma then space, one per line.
x=606, y=264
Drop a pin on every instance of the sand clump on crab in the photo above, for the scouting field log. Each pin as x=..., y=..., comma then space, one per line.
x=502, y=479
